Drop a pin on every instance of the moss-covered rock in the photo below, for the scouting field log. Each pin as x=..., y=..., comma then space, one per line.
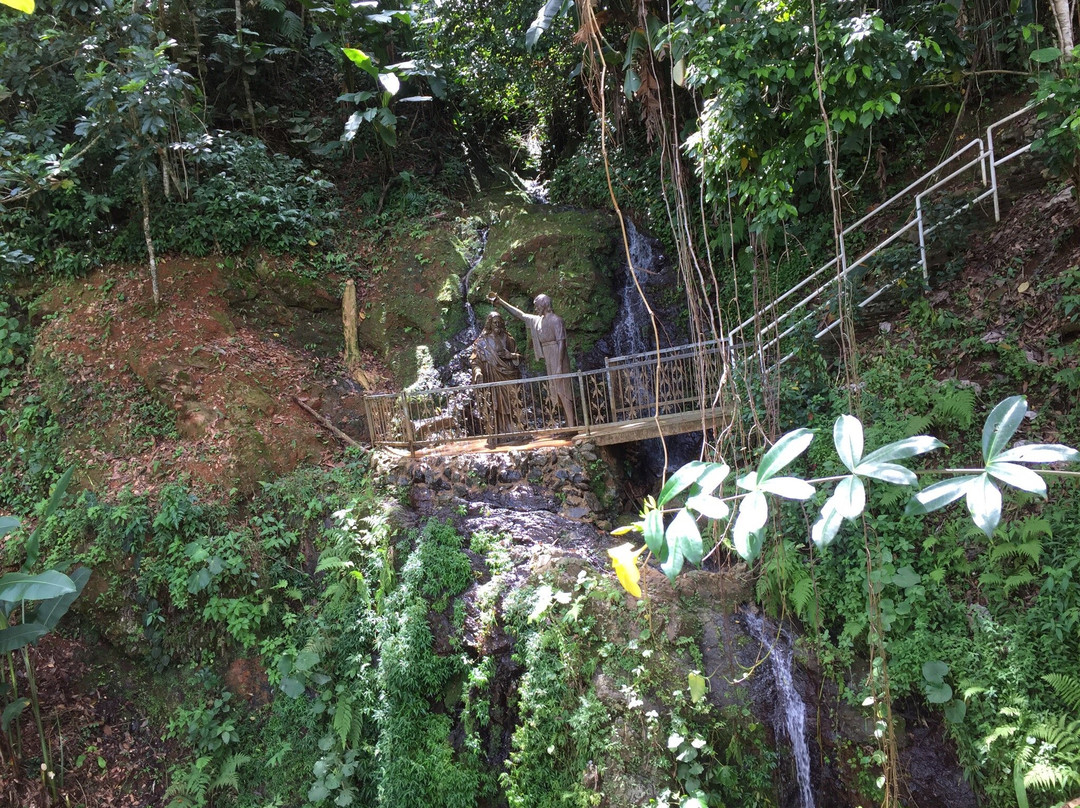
x=412, y=297
x=570, y=255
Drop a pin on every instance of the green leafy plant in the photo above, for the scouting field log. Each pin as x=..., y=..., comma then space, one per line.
x=22, y=624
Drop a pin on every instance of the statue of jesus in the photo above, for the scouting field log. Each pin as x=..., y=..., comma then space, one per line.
x=548, y=336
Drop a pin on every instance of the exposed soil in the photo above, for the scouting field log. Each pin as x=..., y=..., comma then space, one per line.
x=194, y=390
x=112, y=757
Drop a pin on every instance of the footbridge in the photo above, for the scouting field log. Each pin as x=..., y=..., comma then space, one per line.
x=630, y=398
x=687, y=388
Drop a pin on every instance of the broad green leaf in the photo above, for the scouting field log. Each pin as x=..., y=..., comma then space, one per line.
x=888, y=473
x=785, y=450
x=708, y=482
x=1018, y=477
x=683, y=542
x=654, y=534
x=8, y=524
x=683, y=533
x=749, y=523
x=984, y=503
x=955, y=711
x=848, y=438
x=849, y=498
x=625, y=561
x=361, y=60
x=293, y=688
x=1045, y=55
x=15, y=637
x=25, y=6
x=938, y=495
x=1040, y=453
x=708, y=506
x=16, y=587
x=631, y=84
x=698, y=684
x=788, y=488
x=11, y=712
x=827, y=525
x=1001, y=424
x=390, y=82
x=543, y=21
x=906, y=577
x=935, y=671
x=306, y=660
x=681, y=480
x=901, y=449
x=49, y=612
x=937, y=693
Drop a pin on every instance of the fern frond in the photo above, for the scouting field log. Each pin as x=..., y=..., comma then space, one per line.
x=227, y=777
x=1062, y=734
x=1018, y=579
x=1049, y=776
x=801, y=595
x=1034, y=526
x=1067, y=688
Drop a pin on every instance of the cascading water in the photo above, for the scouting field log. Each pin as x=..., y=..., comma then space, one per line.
x=790, y=710
x=470, y=313
x=633, y=318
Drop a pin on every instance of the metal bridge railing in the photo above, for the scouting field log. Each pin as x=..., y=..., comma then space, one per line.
x=633, y=389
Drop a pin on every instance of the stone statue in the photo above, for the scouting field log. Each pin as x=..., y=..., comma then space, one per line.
x=494, y=358
x=548, y=336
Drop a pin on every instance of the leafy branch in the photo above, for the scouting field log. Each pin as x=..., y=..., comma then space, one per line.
x=681, y=539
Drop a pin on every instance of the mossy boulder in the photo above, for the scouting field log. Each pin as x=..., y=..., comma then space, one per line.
x=412, y=297
x=570, y=255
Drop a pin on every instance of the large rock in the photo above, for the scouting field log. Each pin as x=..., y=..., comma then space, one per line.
x=570, y=255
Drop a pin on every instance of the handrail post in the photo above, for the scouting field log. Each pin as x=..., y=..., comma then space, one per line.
x=993, y=172
x=584, y=403
x=407, y=424
x=370, y=421
x=922, y=241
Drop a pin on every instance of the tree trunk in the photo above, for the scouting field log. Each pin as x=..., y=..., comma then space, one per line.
x=1063, y=20
x=149, y=241
x=244, y=78
x=349, y=321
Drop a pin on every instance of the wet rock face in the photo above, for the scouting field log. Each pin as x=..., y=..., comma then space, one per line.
x=571, y=482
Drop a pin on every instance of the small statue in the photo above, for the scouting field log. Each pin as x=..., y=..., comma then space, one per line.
x=494, y=358
x=548, y=336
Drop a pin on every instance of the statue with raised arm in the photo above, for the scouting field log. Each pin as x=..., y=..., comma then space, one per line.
x=548, y=336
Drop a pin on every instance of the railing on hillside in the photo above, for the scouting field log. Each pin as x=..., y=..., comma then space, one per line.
x=688, y=378
x=797, y=307
x=628, y=389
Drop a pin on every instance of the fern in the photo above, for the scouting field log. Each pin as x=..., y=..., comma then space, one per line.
x=228, y=776
x=952, y=407
x=1067, y=689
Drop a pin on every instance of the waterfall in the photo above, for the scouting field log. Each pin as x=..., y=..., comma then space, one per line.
x=470, y=313
x=633, y=319
x=790, y=710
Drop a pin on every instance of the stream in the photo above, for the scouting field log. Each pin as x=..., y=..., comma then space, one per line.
x=789, y=710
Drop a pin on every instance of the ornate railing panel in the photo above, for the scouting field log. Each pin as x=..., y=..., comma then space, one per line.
x=623, y=392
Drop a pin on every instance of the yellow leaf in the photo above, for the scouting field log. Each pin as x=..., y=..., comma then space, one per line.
x=624, y=560
x=1023, y=287
x=22, y=5
x=622, y=531
x=743, y=163
x=698, y=685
